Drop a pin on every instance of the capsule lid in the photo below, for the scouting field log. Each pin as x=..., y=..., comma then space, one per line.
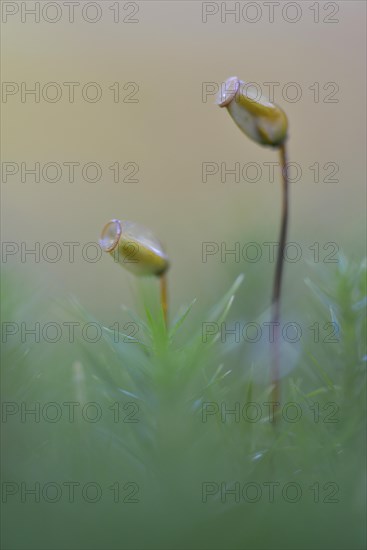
x=110, y=235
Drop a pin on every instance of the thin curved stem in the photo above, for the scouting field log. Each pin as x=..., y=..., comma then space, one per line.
x=277, y=288
x=164, y=296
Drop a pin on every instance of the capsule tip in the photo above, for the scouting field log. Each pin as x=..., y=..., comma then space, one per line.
x=228, y=91
x=110, y=235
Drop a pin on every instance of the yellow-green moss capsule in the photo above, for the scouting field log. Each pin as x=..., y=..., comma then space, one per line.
x=257, y=117
x=134, y=247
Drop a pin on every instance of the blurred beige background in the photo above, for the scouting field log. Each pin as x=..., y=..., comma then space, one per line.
x=170, y=52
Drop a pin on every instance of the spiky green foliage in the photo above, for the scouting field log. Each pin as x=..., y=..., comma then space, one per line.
x=172, y=441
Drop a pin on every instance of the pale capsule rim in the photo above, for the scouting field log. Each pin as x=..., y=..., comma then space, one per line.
x=116, y=239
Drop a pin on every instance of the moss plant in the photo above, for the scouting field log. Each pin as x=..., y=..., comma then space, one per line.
x=267, y=124
x=135, y=248
x=174, y=473
x=166, y=377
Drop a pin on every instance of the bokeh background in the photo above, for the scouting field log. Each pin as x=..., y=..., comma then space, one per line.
x=171, y=131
